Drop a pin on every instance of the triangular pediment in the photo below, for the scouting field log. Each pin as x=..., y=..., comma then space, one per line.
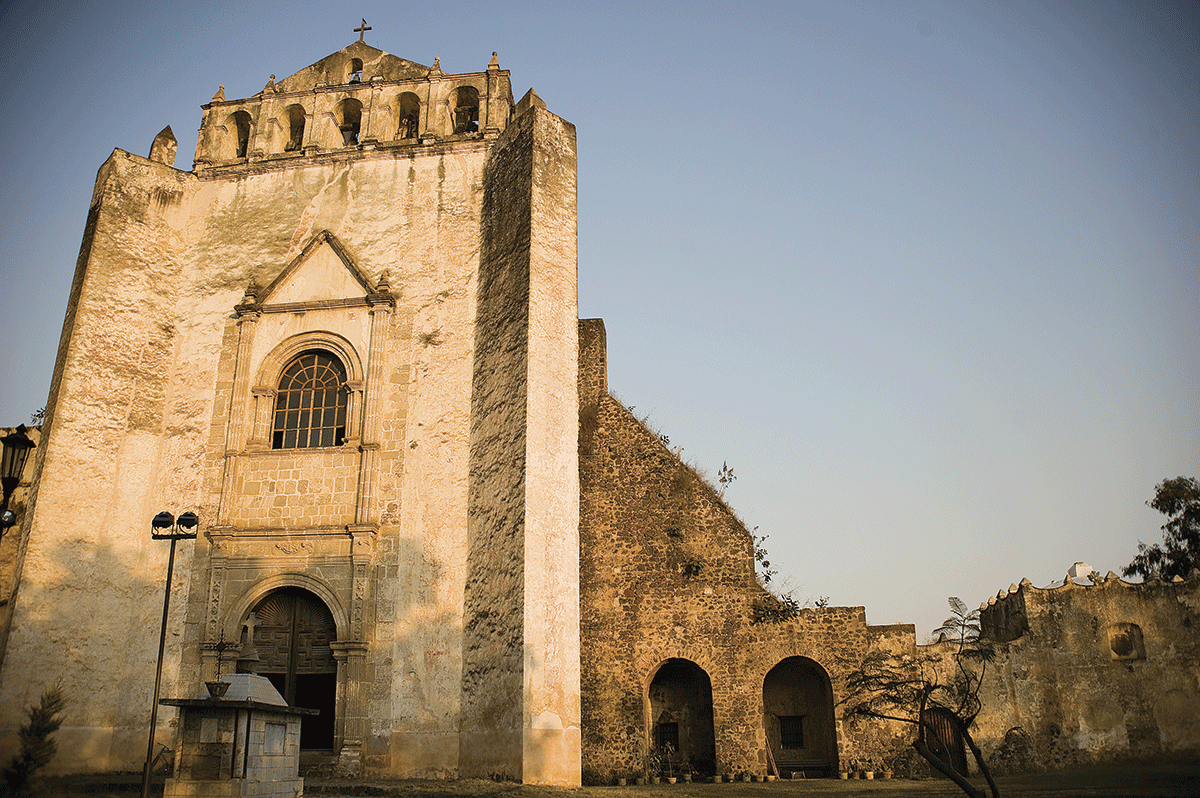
x=332, y=70
x=322, y=272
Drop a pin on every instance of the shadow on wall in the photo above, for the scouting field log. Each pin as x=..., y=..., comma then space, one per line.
x=84, y=617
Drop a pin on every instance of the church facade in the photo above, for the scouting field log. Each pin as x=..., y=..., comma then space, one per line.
x=348, y=339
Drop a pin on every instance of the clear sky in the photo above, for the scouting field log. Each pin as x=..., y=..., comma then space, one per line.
x=926, y=275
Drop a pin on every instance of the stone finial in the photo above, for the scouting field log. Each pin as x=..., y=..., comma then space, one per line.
x=270, y=87
x=1110, y=575
x=383, y=284
x=219, y=97
x=164, y=146
x=494, y=64
x=991, y=601
x=1012, y=588
x=436, y=69
x=249, y=303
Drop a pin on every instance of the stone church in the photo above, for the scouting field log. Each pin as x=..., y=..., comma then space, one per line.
x=348, y=339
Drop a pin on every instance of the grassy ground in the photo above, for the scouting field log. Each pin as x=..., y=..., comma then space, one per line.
x=1135, y=781
x=1125, y=781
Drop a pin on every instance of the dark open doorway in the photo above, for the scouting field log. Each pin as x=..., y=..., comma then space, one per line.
x=681, y=717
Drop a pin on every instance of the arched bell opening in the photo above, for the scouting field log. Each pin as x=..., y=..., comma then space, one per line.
x=408, y=107
x=293, y=633
x=349, y=119
x=296, y=120
x=681, y=718
x=237, y=135
x=465, y=104
x=798, y=717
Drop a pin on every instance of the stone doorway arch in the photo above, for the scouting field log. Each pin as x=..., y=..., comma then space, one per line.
x=293, y=634
x=681, y=717
x=798, y=717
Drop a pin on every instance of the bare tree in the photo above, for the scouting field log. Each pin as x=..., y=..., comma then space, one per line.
x=913, y=689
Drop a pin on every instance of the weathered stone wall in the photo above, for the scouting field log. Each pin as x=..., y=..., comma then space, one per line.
x=1092, y=674
x=667, y=572
x=520, y=714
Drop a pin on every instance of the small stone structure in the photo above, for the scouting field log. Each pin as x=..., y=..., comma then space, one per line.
x=246, y=743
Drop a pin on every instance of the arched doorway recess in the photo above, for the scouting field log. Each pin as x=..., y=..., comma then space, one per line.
x=293, y=632
x=798, y=716
x=944, y=739
x=681, y=717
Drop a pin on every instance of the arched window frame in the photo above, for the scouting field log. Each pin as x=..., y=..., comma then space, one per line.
x=271, y=370
x=311, y=403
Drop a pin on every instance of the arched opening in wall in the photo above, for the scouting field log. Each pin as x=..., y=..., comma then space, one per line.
x=465, y=102
x=292, y=633
x=296, y=119
x=349, y=118
x=798, y=717
x=354, y=70
x=237, y=128
x=409, y=113
x=944, y=739
x=310, y=403
x=681, y=717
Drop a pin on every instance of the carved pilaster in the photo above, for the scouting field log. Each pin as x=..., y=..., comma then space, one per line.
x=382, y=301
x=351, y=708
x=218, y=558
x=262, y=418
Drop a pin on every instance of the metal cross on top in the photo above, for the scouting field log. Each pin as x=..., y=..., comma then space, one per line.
x=363, y=30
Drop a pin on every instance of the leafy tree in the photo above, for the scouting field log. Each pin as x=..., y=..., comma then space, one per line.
x=911, y=688
x=1179, y=553
x=37, y=749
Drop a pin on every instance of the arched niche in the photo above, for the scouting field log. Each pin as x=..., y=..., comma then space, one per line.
x=681, y=717
x=798, y=716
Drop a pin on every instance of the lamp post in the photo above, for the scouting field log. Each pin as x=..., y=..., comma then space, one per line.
x=12, y=465
x=165, y=527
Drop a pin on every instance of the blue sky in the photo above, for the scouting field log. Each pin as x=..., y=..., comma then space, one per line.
x=926, y=275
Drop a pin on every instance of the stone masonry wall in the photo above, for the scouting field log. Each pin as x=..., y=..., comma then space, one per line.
x=667, y=572
x=1092, y=673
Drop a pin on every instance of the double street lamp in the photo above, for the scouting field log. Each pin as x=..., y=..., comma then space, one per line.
x=165, y=527
x=12, y=465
